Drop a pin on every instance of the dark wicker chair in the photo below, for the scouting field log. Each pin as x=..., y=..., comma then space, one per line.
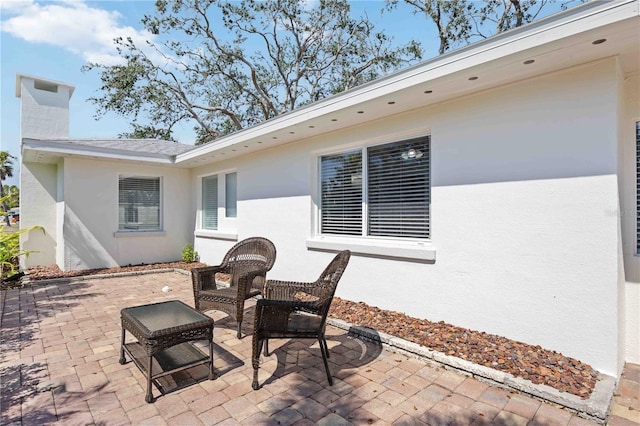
x=245, y=265
x=296, y=310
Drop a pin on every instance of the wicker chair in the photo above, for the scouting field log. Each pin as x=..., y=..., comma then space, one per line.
x=246, y=265
x=296, y=310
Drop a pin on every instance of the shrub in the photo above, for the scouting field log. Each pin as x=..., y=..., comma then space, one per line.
x=189, y=254
x=10, y=251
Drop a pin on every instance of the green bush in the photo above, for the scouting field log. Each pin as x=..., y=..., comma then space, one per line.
x=189, y=254
x=10, y=251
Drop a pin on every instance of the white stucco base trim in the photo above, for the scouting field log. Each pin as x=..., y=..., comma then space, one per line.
x=405, y=250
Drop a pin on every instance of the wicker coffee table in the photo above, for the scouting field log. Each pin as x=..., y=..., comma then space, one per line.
x=164, y=332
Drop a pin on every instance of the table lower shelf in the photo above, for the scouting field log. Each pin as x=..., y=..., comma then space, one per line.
x=172, y=368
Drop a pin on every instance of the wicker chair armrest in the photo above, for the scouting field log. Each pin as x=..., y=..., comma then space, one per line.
x=291, y=290
x=204, y=277
x=244, y=279
x=273, y=315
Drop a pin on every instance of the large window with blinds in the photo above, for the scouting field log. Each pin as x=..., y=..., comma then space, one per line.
x=378, y=191
x=139, y=203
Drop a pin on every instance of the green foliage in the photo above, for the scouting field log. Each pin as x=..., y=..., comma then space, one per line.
x=6, y=171
x=189, y=255
x=13, y=195
x=10, y=251
x=223, y=66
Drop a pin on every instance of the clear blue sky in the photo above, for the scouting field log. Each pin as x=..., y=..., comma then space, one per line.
x=54, y=39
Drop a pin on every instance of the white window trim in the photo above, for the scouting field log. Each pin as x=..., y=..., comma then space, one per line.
x=135, y=233
x=374, y=246
x=419, y=250
x=218, y=235
x=227, y=226
x=123, y=233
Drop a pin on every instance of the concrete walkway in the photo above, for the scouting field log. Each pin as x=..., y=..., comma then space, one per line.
x=59, y=364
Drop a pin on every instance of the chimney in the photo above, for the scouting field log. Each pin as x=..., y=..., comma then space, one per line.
x=44, y=107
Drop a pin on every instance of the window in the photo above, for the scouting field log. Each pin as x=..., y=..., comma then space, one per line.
x=139, y=203
x=210, y=202
x=219, y=201
x=230, y=193
x=386, y=195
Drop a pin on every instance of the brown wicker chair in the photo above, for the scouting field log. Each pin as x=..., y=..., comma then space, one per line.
x=296, y=310
x=246, y=265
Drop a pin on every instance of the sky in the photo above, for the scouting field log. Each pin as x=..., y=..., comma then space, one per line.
x=54, y=39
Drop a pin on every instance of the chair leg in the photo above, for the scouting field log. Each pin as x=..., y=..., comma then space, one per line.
x=239, y=328
x=325, y=353
x=266, y=347
x=257, y=348
x=326, y=348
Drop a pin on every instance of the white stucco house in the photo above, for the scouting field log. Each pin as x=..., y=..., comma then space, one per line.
x=494, y=187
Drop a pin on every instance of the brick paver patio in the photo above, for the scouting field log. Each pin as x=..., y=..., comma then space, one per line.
x=59, y=364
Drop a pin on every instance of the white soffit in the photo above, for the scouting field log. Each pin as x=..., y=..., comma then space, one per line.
x=50, y=152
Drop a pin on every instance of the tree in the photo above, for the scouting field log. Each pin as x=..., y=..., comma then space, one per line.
x=226, y=65
x=6, y=171
x=458, y=22
x=12, y=192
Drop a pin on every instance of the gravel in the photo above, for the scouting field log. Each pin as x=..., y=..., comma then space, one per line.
x=534, y=363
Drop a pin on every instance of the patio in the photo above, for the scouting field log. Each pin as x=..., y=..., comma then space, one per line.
x=59, y=363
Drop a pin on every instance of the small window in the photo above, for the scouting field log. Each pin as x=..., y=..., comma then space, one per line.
x=210, y=202
x=230, y=193
x=387, y=195
x=139, y=204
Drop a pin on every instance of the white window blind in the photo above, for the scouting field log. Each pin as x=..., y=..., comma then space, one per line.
x=388, y=196
x=230, y=193
x=139, y=203
x=398, y=189
x=341, y=180
x=210, y=202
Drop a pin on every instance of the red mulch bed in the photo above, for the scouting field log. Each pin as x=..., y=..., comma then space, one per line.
x=540, y=366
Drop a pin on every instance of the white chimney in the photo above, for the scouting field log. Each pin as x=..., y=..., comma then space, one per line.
x=44, y=107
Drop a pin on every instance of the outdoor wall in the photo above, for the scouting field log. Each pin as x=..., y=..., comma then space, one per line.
x=524, y=180
x=38, y=196
x=91, y=216
x=44, y=113
x=630, y=114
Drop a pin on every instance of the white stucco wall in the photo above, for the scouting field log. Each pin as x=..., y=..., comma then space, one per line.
x=523, y=186
x=44, y=114
x=38, y=195
x=630, y=107
x=91, y=216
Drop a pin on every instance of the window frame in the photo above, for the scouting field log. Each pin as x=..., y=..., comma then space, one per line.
x=383, y=246
x=637, y=170
x=226, y=225
x=160, y=228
